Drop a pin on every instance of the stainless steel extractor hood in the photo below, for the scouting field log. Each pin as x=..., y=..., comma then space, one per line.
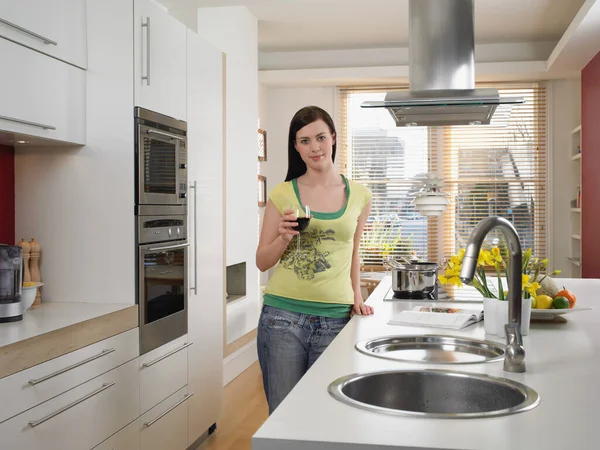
x=442, y=70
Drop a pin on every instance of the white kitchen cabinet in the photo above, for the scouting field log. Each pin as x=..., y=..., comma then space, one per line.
x=165, y=425
x=80, y=418
x=30, y=387
x=163, y=371
x=160, y=60
x=207, y=264
x=126, y=439
x=53, y=27
x=41, y=96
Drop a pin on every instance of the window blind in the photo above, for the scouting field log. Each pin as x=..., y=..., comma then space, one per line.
x=498, y=169
x=387, y=159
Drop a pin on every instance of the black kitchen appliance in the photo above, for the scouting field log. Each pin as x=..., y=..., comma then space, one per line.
x=11, y=283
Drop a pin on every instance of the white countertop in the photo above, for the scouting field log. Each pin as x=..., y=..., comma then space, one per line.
x=50, y=316
x=563, y=366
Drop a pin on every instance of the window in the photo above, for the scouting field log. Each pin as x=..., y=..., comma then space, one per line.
x=498, y=169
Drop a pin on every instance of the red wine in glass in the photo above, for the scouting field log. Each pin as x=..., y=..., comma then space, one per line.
x=303, y=219
x=302, y=223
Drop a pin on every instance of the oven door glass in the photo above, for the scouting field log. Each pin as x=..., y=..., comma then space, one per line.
x=158, y=168
x=164, y=281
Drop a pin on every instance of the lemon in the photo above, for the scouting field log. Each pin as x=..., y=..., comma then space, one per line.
x=560, y=303
x=543, y=302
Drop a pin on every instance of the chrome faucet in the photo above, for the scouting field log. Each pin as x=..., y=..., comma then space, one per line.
x=514, y=359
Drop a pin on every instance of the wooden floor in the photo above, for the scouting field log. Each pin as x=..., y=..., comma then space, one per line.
x=245, y=410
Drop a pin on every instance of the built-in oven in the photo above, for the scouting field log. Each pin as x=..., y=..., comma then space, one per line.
x=162, y=274
x=161, y=159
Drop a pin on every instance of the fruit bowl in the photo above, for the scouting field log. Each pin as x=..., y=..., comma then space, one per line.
x=28, y=295
x=550, y=314
x=554, y=302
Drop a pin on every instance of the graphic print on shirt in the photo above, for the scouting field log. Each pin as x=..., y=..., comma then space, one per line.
x=309, y=260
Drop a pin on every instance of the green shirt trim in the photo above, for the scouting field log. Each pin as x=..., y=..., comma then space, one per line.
x=332, y=310
x=322, y=215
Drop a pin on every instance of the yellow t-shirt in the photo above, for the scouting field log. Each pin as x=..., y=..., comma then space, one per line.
x=320, y=271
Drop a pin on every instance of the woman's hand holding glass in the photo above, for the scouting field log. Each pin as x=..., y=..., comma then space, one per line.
x=287, y=224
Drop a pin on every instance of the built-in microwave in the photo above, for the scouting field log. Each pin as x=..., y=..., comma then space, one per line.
x=161, y=159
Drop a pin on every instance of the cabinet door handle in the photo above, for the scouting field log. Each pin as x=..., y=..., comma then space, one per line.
x=26, y=122
x=195, y=189
x=73, y=366
x=44, y=39
x=146, y=25
x=35, y=423
x=166, y=355
x=147, y=424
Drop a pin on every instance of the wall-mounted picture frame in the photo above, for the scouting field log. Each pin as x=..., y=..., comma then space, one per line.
x=262, y=145
x=262, y=191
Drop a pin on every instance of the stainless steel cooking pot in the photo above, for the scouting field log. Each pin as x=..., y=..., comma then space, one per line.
x=413, y=278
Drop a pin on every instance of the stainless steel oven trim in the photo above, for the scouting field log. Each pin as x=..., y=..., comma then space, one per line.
x=165, y=134
x=159, y=332
x=178, y=169
x=152, y=116
x=162, y=210
x=161, y=235
x=169, y=247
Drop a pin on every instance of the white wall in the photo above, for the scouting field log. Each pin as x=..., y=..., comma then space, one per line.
x=282, y=104
x=564, y=115
x=263, y=166
x=277, y=107
x=239, y=41
x=376, y=57
x=78, y=201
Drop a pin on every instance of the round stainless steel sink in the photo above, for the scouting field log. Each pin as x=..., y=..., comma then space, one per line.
x=432, y=393
x=434, y=349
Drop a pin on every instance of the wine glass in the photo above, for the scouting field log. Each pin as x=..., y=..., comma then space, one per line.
x=303, y=219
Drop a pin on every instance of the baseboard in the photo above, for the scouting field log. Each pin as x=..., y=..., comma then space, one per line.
x=196, y=445
x=239, y=361
x=239, y=343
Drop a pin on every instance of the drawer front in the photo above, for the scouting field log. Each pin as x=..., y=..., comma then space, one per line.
x=126, y=439
x=29, y=388
x=163, y=371
x=41, y=96
x=64, y=37
x=80, y=418
x=165, y=425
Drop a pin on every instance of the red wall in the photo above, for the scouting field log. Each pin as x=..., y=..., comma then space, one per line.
x=590, y=184
x=7, y=195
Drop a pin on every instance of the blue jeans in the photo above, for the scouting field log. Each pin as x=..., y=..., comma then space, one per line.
x=288, y=345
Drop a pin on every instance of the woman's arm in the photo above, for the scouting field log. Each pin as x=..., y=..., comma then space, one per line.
x=275, y=236
x=360, y=307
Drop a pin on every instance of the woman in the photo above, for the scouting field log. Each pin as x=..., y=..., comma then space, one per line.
x=316, y=286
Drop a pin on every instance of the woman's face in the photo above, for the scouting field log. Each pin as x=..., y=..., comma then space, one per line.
x=315, y=142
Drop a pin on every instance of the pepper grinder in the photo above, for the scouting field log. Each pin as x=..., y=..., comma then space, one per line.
x=26, y=246
x=34, y=268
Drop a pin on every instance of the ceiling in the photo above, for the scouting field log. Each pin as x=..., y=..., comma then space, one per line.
x=294, y=25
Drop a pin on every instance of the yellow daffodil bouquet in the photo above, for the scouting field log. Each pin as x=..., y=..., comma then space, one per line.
x=493, y=261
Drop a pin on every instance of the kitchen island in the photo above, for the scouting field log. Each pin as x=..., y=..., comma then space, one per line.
x=563, y=367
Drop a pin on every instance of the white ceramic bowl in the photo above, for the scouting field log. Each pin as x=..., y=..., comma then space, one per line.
x=430, y=200
x=431, y=213
x=28, y=295
x=430, y=207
